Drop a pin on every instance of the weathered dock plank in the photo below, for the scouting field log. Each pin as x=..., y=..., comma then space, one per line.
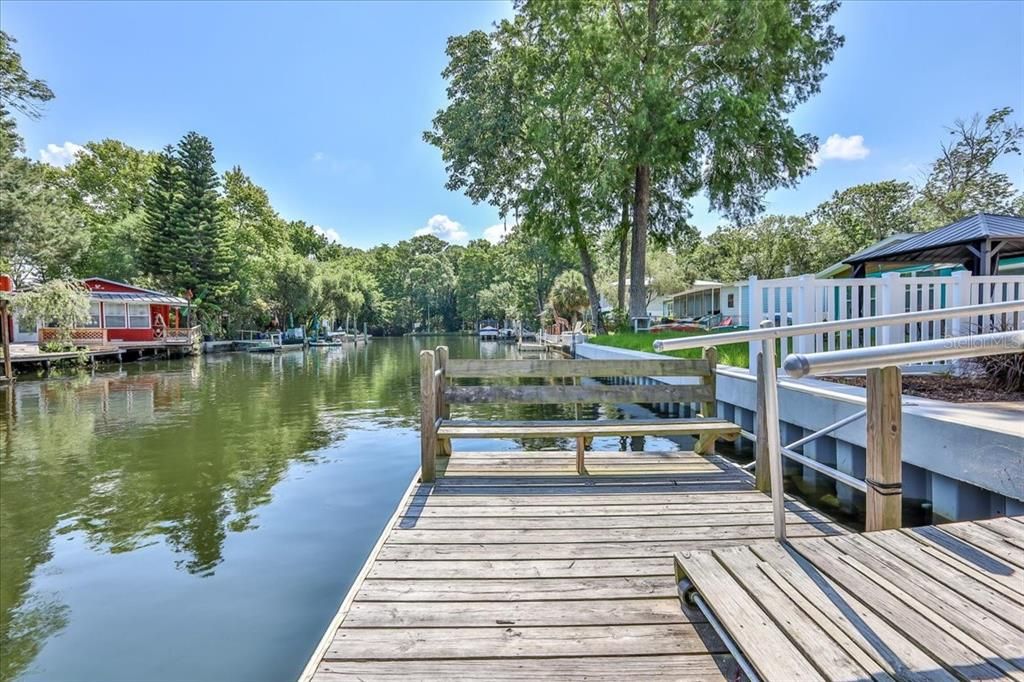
x=591, y=668
x=514, y=642
x=924, y=603
x=511, y=566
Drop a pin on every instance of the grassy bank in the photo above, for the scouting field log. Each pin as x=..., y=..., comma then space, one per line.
x=735, y=354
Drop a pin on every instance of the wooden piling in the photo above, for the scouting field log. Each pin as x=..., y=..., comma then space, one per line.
x=428, y=417
x=884, y=465
x=5, y=337
x=709, y=409
x=762, y=474
x=444, y=410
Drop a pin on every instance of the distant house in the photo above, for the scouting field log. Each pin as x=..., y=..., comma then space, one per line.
x=119, y=314
x=706, y=297
x=842, y=269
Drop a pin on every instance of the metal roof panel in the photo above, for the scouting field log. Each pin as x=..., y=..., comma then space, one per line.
x=963, y=231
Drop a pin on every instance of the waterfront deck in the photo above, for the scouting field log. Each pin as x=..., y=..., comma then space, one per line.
x=513, y=566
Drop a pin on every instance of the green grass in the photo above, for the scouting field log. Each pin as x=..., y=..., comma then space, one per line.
x=735, y=354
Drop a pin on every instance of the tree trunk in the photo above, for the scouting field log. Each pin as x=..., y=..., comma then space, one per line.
x=638, y=250
x=620, y=302
x=587, y=268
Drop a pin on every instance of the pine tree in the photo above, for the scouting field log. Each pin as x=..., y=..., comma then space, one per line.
x=159, y=246
x=200, y=234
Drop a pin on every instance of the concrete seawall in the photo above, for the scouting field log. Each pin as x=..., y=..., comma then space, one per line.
x=967, y=460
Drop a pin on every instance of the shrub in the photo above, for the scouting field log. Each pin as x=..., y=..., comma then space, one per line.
x=1000, y=372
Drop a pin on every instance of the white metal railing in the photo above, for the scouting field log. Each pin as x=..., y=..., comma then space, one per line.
x=964, y=320
x=883, y=480
x=799, y=365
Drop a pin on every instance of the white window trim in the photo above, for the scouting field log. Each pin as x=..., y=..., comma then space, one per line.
x=138, y=326
x=124, y=313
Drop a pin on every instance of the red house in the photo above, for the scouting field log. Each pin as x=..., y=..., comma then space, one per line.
x=121, y=315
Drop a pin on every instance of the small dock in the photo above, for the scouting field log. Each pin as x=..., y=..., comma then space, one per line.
x=511, y=565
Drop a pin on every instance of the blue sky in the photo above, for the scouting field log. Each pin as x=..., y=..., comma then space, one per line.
x=323, y=104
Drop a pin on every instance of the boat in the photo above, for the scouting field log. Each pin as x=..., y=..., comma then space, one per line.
x=266, y=347
x=326, y=344
x=488, y=333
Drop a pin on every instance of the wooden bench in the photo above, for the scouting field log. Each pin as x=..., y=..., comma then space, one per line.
x=439, y=390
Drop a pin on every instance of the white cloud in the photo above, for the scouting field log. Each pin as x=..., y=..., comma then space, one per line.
x=444, y=227
x=60, y=154
x=842, y=148
x=329, y=232
x=318, y=156
x=495, y=234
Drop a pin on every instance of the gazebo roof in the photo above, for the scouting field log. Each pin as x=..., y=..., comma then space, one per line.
x=950, y=244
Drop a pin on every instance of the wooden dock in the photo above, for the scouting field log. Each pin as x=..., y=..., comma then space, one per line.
x=513, y=566
x=939, y=602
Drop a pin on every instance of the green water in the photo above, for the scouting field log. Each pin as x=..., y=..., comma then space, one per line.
x=201, y=519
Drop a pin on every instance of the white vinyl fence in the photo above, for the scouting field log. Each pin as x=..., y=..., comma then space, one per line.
x=800, y=300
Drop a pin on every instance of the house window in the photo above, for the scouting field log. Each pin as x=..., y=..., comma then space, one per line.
x=730, y=300
x=26, y=325
x=114, y=316
x=138, y=315
x=94, y=314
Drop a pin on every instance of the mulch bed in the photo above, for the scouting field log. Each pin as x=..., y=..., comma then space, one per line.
x=954, y=389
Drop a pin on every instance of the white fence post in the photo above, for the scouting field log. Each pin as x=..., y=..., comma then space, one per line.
x=756, y=315
x=960, y=295
x=892, y=297
x=804, y=313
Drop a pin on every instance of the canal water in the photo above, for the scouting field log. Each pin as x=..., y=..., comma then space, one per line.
x=201, y=519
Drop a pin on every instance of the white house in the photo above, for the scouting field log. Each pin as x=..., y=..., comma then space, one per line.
x=706, y=297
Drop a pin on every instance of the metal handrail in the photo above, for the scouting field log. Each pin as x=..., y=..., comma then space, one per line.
x=893, y=355
x=799, y=365
x=809, y=328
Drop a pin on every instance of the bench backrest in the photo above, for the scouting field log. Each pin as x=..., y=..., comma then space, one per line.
x=437, y=392
x=655, y=392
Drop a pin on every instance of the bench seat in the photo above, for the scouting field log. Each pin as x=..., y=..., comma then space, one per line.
x=707, y=430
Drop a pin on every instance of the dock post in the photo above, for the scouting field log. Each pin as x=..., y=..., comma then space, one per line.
x=428, y=407
x=444, y=410
x=884, y=449
x=770, y=433
x=762, y=477
x=4, y=317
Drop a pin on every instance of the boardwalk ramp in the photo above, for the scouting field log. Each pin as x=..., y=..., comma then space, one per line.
x=939, y=603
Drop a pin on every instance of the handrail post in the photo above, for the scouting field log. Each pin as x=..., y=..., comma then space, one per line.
x=762, y=471
x=444, y=446
x=428, y=417
x=771, y=433
x=884, y=443
x=705, y=444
